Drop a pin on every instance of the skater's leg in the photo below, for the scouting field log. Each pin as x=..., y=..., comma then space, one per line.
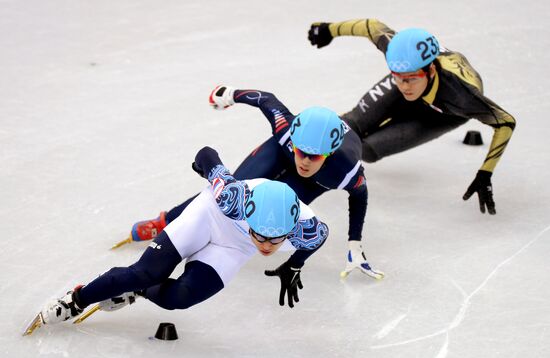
x=198, y=283
x=266, y=161
x=154, y=266
x=404, y=133
x=176, y=211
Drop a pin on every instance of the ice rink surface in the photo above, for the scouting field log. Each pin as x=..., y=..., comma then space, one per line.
x=103, y=106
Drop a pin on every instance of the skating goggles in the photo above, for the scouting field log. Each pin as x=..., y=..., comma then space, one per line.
x=303, y=155
x=411, y=78
x=262, y=239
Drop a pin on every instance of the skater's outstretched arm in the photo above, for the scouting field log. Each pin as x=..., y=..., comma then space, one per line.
x=274, y=110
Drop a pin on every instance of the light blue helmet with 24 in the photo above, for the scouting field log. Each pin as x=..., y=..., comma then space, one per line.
x=317, y=130
x=411, y=49
x=272, y=209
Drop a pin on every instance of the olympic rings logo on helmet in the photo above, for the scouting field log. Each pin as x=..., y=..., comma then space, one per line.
x=308, y=149
x=270, y=231
x=399, y=66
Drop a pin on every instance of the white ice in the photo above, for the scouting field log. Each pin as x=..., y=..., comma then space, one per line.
x=103, y=106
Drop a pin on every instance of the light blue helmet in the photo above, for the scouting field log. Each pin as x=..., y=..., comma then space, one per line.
x=411, y=49
x=317, y=130
x=272, y=209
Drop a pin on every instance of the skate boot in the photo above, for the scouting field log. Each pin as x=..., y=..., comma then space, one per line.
x=357, y=260
x=61, y=309
x=116, y=303
x=148, y=229
x=110, y=305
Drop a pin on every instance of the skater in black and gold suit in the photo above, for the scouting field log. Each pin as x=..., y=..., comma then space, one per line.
x=430, y=91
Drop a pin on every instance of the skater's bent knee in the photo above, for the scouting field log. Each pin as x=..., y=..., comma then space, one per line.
x=369, y=155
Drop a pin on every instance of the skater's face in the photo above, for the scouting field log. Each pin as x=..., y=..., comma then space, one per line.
x=266, y=246
x=413, y=84
x=308, y=165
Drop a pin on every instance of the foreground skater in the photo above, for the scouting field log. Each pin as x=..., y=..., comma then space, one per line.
x=226, y=224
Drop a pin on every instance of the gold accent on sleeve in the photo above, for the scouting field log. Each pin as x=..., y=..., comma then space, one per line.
x=377, y=32
x=501, y=137
x=503, y=123
x=349, y=28
x=457, y=64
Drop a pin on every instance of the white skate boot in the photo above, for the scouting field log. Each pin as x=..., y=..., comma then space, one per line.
x=61, y=309
x=109, y=305
x=116, y=303
x=357, y=260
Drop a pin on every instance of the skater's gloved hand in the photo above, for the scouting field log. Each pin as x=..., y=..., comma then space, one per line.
x=206, y=159
x=290, y=283
x=357, y=260
x=484, y=189
x=221, y=97
x=319, y=34
x=197, y=169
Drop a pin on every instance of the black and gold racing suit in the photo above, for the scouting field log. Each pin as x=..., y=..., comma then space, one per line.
x=389, y=124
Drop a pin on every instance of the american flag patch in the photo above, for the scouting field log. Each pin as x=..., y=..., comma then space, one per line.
x=217, y=187
x=280, y=121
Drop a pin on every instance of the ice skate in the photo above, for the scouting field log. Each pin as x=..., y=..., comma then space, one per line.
x=61, y=309
x=56, y=311
x=109, y=305
x=33, y=325
x=148, y=229
x=116, y=303
x=357, y=260
x=144, y=230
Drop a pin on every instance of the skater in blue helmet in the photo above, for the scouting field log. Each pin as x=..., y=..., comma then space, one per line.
x=429, y=91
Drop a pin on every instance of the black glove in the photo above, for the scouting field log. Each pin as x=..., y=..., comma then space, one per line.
x=290, y=282
x=197, y=170
x=484, y=189
x=319, y=34
x=206, y=159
